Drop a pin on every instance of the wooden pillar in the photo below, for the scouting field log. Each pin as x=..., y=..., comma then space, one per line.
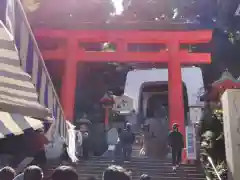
x=175, y=96
x=69, y=79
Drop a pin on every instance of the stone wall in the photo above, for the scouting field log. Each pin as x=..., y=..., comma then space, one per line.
x=155, y=137
x=231, y=119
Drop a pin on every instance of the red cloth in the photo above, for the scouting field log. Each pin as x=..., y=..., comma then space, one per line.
x=38, y=141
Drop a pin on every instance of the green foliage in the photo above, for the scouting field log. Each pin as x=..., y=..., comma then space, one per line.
x=234, y=37
x=212, y=143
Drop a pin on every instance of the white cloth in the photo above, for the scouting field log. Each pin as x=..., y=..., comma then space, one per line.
x=72, y=145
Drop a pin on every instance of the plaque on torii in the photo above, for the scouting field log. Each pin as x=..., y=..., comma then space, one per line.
x=123, y=104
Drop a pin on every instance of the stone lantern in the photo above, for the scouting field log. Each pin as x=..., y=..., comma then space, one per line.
x=84, y=123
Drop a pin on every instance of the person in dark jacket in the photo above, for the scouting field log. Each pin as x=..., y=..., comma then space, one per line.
x=127, y=139
x=176, y=142
x=86, y=145
x=118, y=146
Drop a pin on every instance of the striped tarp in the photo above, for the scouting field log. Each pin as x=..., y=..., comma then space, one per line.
x=17, y=124
x=32, y=62
x=17, y=92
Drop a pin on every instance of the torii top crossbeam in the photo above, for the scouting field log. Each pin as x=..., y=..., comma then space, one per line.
x=122, y=39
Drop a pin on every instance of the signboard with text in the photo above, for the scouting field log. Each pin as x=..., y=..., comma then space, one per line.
x=191, y=143
x=123, y=103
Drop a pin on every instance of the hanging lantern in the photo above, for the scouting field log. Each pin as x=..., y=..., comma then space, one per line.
x=107, y=100
x=107, y=103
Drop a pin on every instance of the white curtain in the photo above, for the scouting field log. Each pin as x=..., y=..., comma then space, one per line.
x=72, y=144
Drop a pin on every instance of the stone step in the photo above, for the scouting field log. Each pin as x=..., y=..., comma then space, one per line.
x=136, y=177
x=95, y=165
x=146, y=164
x=144, y=159
x=131, y=166
x=139, y=173
x=181, y=173
x=143, y=164
x=157, y=169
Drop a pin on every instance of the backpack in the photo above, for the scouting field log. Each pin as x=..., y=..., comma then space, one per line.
x=127, y=137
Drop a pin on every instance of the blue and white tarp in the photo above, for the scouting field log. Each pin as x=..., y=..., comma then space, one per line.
x=17, y=92
x=17, y=124
x=33, y=63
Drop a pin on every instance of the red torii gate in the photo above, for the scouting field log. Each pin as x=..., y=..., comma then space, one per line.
x=72, y=53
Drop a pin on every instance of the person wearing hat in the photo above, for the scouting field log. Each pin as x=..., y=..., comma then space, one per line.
x=176, y=143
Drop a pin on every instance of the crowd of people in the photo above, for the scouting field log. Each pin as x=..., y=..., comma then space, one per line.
x=122, y=144
x=126, y=138
x=66, y=172
x=123, y=151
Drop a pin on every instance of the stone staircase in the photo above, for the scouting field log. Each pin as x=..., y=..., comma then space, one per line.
x=157, y=169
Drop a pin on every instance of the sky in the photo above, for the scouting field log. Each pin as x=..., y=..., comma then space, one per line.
x=192, y=77
x=118, y=6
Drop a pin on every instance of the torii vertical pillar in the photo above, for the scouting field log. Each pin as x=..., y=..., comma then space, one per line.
x=175, y=96
x=69, y=79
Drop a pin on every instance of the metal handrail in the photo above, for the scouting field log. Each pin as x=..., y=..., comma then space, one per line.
x=214, y=167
